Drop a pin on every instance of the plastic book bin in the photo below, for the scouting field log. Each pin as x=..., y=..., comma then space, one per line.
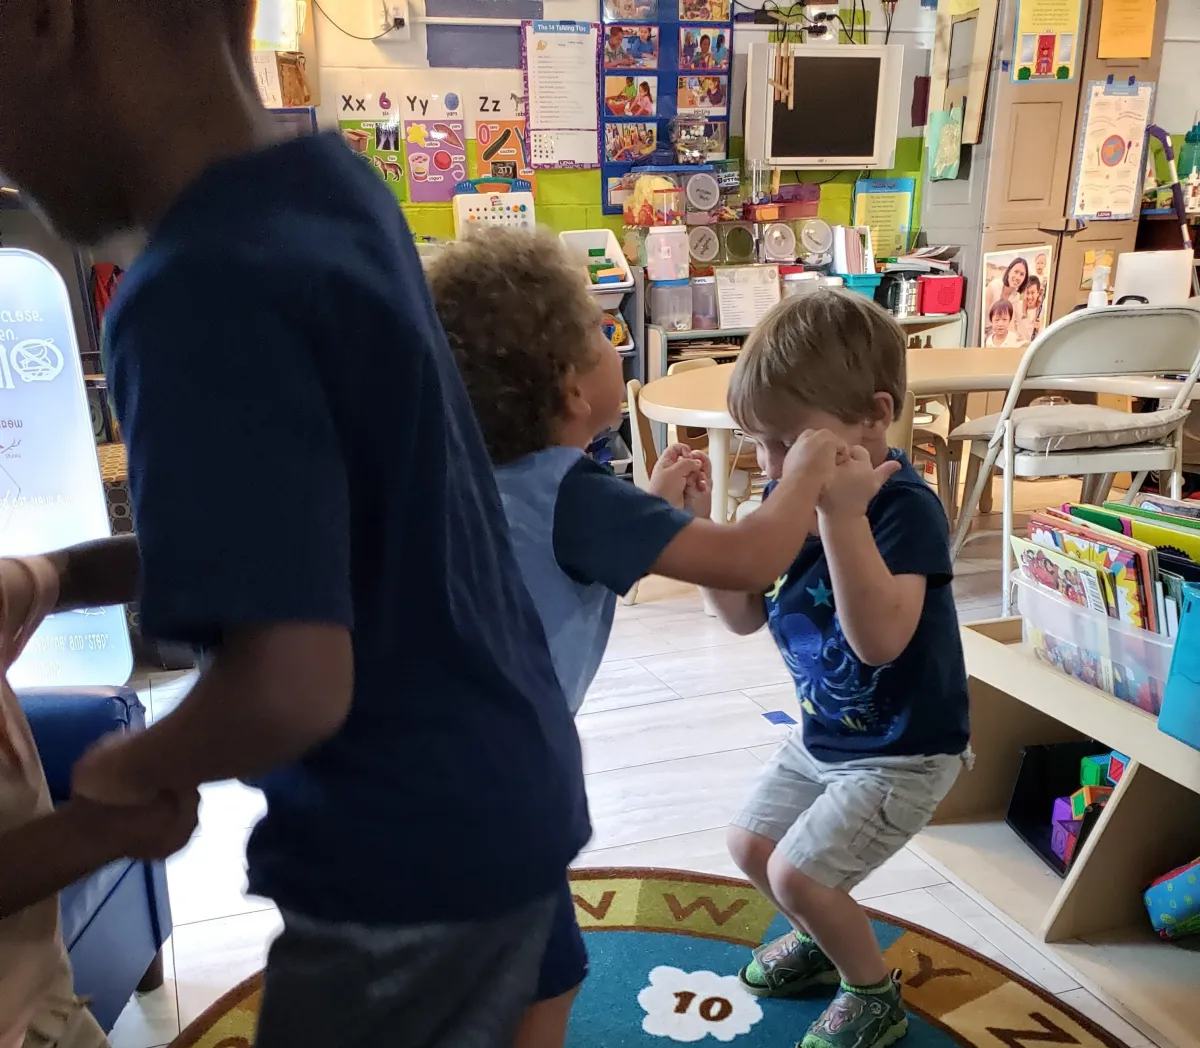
x=1130, y=664
x=579, y=241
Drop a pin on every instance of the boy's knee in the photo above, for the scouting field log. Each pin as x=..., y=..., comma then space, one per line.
x=796, y=892
x=751, y=851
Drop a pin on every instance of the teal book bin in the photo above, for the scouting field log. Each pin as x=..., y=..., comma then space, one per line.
x=1180, y=714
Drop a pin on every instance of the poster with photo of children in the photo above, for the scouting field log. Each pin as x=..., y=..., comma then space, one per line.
x=704, y=48
x=630, y=95
x=705, y=10
x=1016, y=289
x=630, y=10
x=629, y=143
x=702, y=96
x=662, y=59
x=631, y=47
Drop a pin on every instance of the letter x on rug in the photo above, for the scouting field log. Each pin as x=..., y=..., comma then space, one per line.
x=665, y=947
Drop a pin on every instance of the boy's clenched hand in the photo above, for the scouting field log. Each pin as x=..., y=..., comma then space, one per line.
x=697, y=492
x=815, y=454
x=675, y=469
x=145, y=832
x=853, y=484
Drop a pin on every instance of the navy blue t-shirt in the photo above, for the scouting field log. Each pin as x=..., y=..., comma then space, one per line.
x=914, y=706
x=302, y=449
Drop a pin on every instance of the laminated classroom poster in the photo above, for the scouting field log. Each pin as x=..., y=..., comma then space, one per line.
x=561, y=63
x=1015, y=287
x=885, y=205
x=502, y=150
x=1046, y=39
x=437, y=159
x=1111, y=157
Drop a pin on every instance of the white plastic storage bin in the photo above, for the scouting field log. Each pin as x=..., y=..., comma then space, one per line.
x=1129, y=663
x=671, y=304
x=580, y=241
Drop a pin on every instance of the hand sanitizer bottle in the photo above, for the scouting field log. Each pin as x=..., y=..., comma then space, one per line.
x=1098, y=296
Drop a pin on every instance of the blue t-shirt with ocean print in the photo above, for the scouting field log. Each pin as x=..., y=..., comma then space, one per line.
x=914, y=706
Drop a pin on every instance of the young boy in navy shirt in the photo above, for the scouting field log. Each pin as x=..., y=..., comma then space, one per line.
x=315, y=508
x=545, y=381
x=865, y=621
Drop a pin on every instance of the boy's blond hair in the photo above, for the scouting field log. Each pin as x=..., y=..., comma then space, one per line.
x=520, y=321
x=829, y=351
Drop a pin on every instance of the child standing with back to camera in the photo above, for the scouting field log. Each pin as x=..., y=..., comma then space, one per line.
x=866, y=623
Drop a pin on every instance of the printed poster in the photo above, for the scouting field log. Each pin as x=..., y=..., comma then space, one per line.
x=704, y=48
x=1127, y=28
x=1046, y=40
x=631, y=10
x=437, y=159
x=631, y=47
x=631, y=95
x=629, y=143
x=51, y=494
x=562, y=83
x=886, y=206
x=502, y=148
x=378, y=143
x=1016, y=288
x=705, y=10
x=702, y=95
x=1112, y=152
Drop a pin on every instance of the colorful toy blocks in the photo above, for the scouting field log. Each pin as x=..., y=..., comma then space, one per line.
x=1062, y=811
x=1085, y=797
x=1117, y=763
x=1173, y=902
x=1093, y=771
x=1064, y=838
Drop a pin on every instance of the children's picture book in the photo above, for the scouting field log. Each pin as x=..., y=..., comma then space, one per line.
x=1175, y=520
x=1051, y=569
x=1162, y=504
x=1090, y=667
x=1125, y=564
x=1172, y=534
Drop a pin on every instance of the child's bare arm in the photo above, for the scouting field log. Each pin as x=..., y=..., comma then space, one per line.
x=878, y=611
x=271, y=693
x=44, y=856
x=92, y=574
x=740, y=613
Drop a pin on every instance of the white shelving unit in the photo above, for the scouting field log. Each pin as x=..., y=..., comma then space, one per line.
x=1092, y=922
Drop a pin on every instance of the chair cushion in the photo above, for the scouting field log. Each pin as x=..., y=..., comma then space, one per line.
x=1074, y=427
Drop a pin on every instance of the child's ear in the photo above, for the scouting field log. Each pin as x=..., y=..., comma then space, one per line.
x=575, y=402
x=885, y=410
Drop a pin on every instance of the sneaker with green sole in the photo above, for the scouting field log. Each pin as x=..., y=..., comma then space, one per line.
x=787, y=967
x=861, y=1018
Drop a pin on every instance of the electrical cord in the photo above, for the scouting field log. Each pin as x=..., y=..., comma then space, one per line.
x=346, y=32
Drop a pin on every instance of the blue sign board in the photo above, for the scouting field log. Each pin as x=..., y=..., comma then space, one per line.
x=51, y=494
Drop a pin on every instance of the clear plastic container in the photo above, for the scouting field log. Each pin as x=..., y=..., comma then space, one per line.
x=1128, y=663
x=800, y=284
x=671, y=304
x=667, y=253
x=704, y=303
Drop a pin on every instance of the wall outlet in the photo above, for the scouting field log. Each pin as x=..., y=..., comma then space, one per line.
x=395, y=22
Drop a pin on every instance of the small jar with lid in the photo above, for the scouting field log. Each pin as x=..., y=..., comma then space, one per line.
x=704, y=303
x=671, y=304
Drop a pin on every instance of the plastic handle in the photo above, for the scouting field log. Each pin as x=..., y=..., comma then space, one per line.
x=515, y=185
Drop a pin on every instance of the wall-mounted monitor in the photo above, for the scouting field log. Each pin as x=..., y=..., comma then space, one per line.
x=845, y=109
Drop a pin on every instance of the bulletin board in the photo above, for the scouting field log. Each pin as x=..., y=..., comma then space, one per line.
x=660, y=59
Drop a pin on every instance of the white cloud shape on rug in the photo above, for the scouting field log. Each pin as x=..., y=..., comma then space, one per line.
x=689, y=1006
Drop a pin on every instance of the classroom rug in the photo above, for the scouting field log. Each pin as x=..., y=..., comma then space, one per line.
x=665, y=947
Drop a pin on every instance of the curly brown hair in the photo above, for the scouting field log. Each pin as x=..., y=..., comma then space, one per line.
x=520, y=321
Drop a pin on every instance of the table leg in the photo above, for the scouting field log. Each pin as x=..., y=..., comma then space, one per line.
x=957, y=405
x=718, y=453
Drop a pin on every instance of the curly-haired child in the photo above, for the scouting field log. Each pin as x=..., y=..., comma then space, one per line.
x=544, y=382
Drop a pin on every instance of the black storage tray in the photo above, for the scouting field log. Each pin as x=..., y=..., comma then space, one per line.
x=1049, y=772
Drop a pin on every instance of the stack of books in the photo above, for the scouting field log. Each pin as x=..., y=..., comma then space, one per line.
x=1126, y=562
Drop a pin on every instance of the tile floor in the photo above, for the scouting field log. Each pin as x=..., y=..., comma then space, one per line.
x=673, y=733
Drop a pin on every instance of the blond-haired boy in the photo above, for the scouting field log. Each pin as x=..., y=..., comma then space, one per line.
x=866, y=623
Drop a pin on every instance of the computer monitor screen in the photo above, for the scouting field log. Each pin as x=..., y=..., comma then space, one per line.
x=833, y=113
